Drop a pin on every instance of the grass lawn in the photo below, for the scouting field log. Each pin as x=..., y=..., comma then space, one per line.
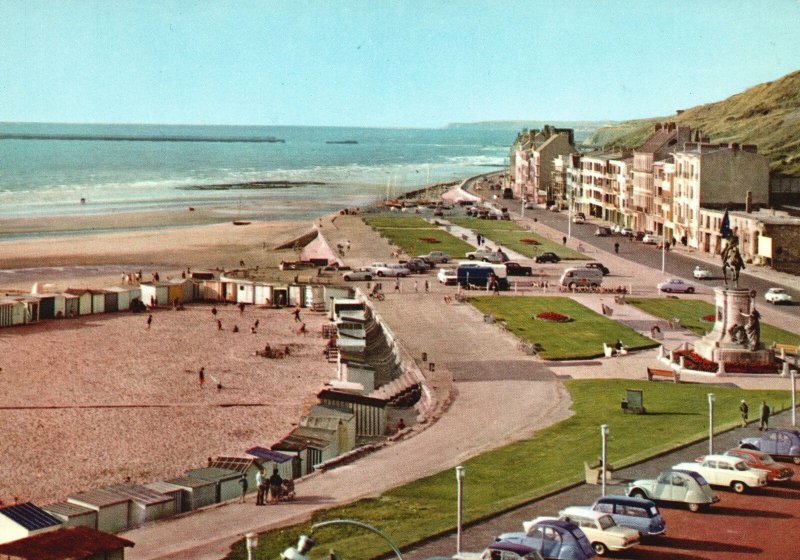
x=509, y=235
x=407, y=233
x=582, y=337
x=689, y=312
x=518, y=472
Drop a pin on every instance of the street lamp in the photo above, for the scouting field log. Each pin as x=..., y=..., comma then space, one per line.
x=603, y=434
x=304, y=543
x=459, y=505
x=663, y=254
x=251, y=539
x=711, y=423
x=793, y=373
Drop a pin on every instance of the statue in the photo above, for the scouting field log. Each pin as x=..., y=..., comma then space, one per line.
x=732, y=259
x=753, y=329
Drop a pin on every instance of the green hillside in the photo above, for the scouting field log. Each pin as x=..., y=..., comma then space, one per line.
x=767, y=115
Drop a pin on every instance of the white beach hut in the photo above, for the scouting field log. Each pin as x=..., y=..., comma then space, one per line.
x=245, y=292
x=72, y=515
x=124, y=297
x=155, y=293
x=144, y=504
x=84, y=300
x=262, y=293
x=25, y=520
x=71, y=304
x=111, y=508
x=174, y=492
x=98, y=301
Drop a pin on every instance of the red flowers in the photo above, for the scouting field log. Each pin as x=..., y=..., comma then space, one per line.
x=429, y=240
x=708, y=318
x=553, y=316
x=529, y=241
x=698, y=363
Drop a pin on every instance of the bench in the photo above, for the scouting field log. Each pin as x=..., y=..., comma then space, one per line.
x=666, y=373
x=674, y=323
x=593, y=473
x=784, y=349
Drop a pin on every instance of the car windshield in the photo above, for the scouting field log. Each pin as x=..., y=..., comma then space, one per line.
x=766, y=459
x=653, y=511
x=606, y=522
x=776, y=290
x=740, y=466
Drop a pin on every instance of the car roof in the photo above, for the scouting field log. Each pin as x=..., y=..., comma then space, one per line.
x=520, y=549
x=582, y=510
x=625, y=500
x=718, y=457
x=696, y=476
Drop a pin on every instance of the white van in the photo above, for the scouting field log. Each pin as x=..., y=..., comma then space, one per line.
x=582, y=278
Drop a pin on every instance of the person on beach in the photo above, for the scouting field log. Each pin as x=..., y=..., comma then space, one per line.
x=764, y=425
x=564, y=240
x=261, y=486
x=302, y=330
x=416, y=286
x=149, y=321
x=219, y=325
x=214, y=311
x=427, y=286
x=243, y=485
x=201, y=376
x=241, y=308
x=397, y=285
x=235, y=328
x=616, y=248
x=743, y=410
x=296, y=314
x=275, y=483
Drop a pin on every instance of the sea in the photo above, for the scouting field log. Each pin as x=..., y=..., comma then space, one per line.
x=283, y=172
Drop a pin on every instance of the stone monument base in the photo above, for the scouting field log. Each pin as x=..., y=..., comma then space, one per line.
x=732, y=353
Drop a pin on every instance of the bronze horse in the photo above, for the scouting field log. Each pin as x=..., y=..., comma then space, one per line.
x=732, y=260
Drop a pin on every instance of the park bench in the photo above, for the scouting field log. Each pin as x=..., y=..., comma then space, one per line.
x=666, y=373
x=784, y=349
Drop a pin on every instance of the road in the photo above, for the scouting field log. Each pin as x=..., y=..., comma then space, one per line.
x=677, y=263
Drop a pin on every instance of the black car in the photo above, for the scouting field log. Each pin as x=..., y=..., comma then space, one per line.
x=547, y=258
x=416, y=265
x=599, y=266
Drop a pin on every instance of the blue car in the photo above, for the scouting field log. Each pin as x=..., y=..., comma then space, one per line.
x=777, y=442
x=635, y=513
x=554, y=539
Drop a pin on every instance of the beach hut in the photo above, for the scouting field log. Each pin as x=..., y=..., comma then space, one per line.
x=262, y=293
x=84, y=300
x=342, y=421
x=245, y=292
x=361, y=374
x=72, y=515
x=311, y=445
x=242, y=465
x=195, y=492
x=226, y=481
x=7, y=310
x=98, y=301
x=275, y=459
x=47, y=305
x=74, y=543
x=25, y=520
x=180, y=289
x=155, y=293
x=144, y=504
x=111, y=508
x=211, y=290
x=336, y=292
x=71, y=305
x=280, y=295
x=296, y=294
x=338, y=305
x=370, y=412
x=124, y=295
x=111, y=303
x=173, y=492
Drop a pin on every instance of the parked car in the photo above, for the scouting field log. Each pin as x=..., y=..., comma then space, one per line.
x=554, y=208
x=547, y=257
x=759, y=460
x=553, y=538
x=616, y=228
x=701, y=273
x=675, y=285
x=724, y=470
x=360, y=274
x=530, y=205
x=578, y=220
x=636, y=513
x=777, y=295
x=777, y=442
x=627, y=232
x=416, y=265
x=651, y=239
x=447, y=276
x=599, y=266
x=602, y=231
x=515, y=269
x=581, y=278
x=687, y=487
x=496, y=551
x=487, y=255
x=436, y=257
x=603, y=532
x=581, y=215
x=384, y=269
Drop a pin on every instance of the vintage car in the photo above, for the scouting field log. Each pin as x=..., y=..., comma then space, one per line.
x=724, y=470
x=687, y=487
x=603, y=532
x=360, y=274
x=516, y=269
x=701, y=273
x=416, y=265
x=777, y=295
x=436, y=257
x=675, y=285
x=652, y=239
x=388, y=269
x=497, y=551
x=553, y=538
x=777, y=442
x=578, y=220
x=599, y=266
x=447, y=276
x=635, y=513
x=547, y=257
x=759, y=460
x=487, y=255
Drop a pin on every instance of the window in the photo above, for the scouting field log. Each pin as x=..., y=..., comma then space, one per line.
x=741, y=466
x=633, y=511
x=678, y=481
x=604, y=508
x=606, y=522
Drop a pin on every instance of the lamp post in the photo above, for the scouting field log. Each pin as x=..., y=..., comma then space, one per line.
x=711, y=423
x=603, y=434
x=459, y=505
x=251, y=539
x=663, y=254
x=793, y=374
x=304, y=543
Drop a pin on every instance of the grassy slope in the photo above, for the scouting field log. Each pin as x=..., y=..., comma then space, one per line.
x=405, y=232
x=505, y=477
x=767, y=115
x=582, y=337
x=509, y=234
x=689, y=312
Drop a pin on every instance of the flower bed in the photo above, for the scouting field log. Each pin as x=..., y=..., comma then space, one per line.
x=553, y=316
x=692, y=360
x=710, y=318
x=429, y=240
x=529, y=241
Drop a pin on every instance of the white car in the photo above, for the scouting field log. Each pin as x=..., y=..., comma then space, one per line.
x=447, y=276
x=435, y=257
x=487, y=255
x=384, y=269
x=701, y=273
x=578, y=220
x=676, y=285
x=600, y=528
x=724, y=470
x=360, y=274
x=777, y=295
x=651, y=239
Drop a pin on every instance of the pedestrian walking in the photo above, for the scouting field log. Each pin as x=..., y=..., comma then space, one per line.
x=214, y=311
x=397, y=285
x=296, y=314
x=479, y=239
x=261, y=486
x=149, y=321
x=427, y=286
x=616, y=247
x=241, y=308
x=764, y=425
x=564, y=240
x=416, y=286
x=219, y=325
x=743, y=410
x=201, y=376
x=243, y=486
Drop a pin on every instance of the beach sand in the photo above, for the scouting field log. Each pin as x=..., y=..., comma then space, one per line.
x=143, y=414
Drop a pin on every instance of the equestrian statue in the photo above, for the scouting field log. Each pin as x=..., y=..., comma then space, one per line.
x=732, y=260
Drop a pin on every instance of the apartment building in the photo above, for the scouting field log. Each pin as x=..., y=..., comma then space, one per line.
x=533, y=155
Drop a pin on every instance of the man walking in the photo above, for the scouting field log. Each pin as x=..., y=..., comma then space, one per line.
x=201, y=376
x=743, y=410
x=616, y=247
x=243, y=485
x=149, y=321
x=261, y=486
x=764, y=425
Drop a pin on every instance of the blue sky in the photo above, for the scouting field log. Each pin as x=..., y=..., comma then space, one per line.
x=383, y=63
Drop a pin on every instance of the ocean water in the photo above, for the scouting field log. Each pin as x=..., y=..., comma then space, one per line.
x=46, y=169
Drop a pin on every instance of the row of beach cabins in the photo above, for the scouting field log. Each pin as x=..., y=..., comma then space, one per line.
x=350, y=418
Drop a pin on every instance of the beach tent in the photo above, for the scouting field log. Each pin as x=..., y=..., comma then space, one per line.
x=155, y=293
x=24, y=520
x=296, y=294
x=195, y=492
x=111, y=508
x=275, y=459
x=262, y=294
x=72, y=515
x=84, y=300
x=74, y=543
x=172, y=491
x=144, y=504
x=226, y=481
x=98, y=301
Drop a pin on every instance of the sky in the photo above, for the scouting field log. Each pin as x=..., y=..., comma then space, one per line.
x=383, y=63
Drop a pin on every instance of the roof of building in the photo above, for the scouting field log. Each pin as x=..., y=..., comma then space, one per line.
x=139, y=494
x=238, y=464
x=29, y=516
x=98, y=497
x=189, y=482
x=324, y=422
x=658, y=139
x=302, y=438
x=330, y=412
x=351, y=398
x=163, y=487
x=214, y=474
x=68, y=509
x=268, y=454
x=65, y=544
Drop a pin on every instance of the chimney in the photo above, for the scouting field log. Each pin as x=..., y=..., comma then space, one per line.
x=748, y=202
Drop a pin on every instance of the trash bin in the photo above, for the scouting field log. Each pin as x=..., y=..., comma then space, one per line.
x=424, y=356
x=431, y=366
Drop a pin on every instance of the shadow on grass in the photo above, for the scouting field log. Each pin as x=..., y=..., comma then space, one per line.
x=651, y=413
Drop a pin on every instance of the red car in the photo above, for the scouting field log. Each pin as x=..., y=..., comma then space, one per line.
x=756, y=459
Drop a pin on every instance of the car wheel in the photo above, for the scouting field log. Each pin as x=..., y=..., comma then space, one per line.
x=572, y=285
x=689, y=290
x=471, y=257
x=638, y=494
x=528, y=273
x=748, y=446
x=599, y=548
x=796, y=460
x=485, y=260
x=380, y=274
x=346, y=277
x=367, y=278
x=667, y=290
x=738, y=487
x=694, y=508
